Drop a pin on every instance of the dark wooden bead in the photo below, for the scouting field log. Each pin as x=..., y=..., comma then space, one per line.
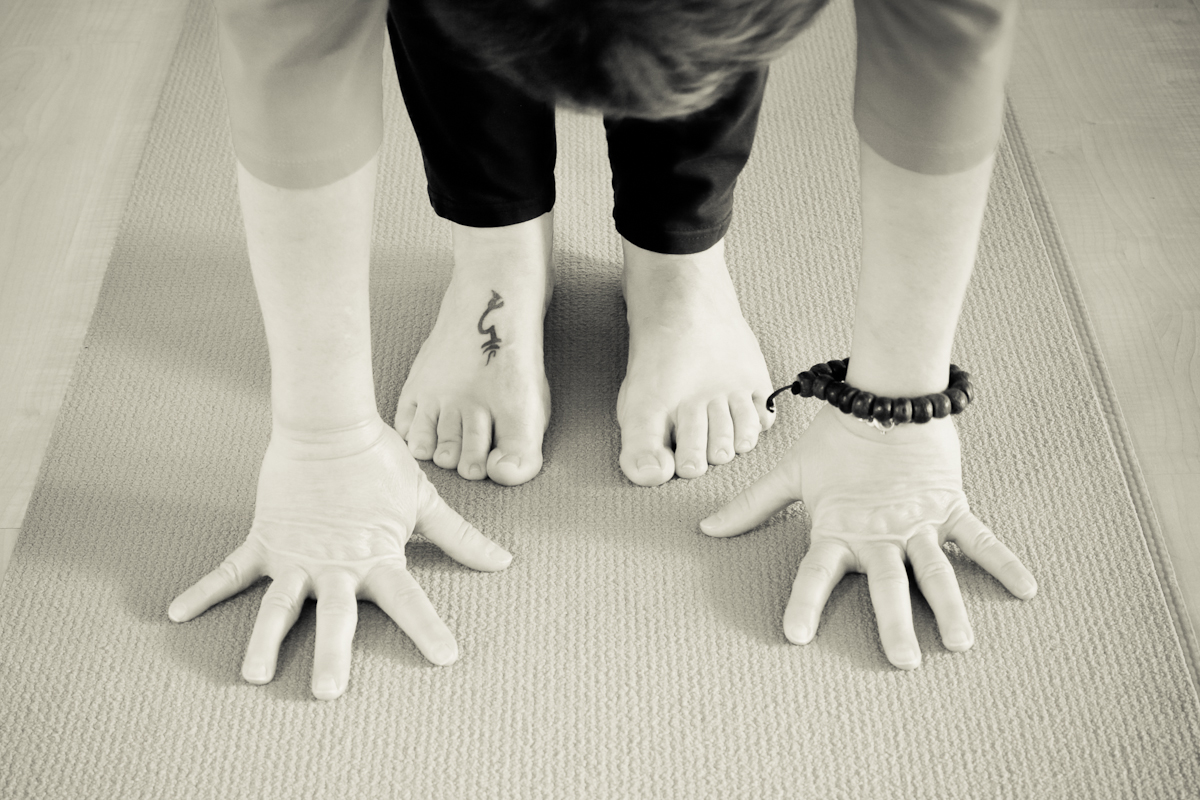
x=922, y=409
x=881, y=409
x=848, y=397
x=838, y=369
x=958, y=399
x=821, y=369
x=902, y=410
x=833, y=392
x=819, y=384
x=967, y=388
x=941, y=405
x=804, y=382
x=862, y=405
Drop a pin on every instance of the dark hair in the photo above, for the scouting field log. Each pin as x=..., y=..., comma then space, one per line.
x=643, y=58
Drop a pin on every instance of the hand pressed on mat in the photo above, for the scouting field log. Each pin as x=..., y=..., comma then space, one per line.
x=877, y=502
x=331, y=522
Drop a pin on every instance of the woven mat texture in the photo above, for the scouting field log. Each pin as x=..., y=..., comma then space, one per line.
x=624, y=654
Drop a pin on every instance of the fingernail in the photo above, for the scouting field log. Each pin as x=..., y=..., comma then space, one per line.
x=445, y=654
x=176, y=612
x=800, y=634
x=256, y=673
x=1026, y=589
x=958, y=640
x=501, y=555
x=906, y=658
x=326, y=689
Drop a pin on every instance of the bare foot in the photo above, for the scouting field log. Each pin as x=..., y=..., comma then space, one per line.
x=696, y=376
x=476, y=398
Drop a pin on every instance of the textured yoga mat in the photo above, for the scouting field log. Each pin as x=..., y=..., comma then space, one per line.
x=624, y=654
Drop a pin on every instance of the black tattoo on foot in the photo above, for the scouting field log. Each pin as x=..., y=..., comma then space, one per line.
x=492, y=345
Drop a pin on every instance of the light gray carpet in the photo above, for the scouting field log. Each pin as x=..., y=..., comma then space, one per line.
x=624, y=654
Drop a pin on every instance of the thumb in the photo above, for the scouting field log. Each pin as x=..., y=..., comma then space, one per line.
x=775, y=490
x=459, y=539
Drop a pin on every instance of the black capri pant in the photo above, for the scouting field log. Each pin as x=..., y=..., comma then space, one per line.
x=489, y=149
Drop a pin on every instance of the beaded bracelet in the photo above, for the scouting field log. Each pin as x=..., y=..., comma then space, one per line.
x=827, y=381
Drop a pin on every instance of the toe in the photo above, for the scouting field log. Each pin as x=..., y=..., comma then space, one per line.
x=746, y=424
x=720, y=433
x=422, y=433
x=517, y=456
x=691, y=441
x=513, y=463
x=405, y=412
x=476, y=444
x=449, y=439
x=645, y=459
x=765, y=418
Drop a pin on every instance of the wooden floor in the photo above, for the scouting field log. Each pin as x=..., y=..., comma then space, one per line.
x=1108, y=92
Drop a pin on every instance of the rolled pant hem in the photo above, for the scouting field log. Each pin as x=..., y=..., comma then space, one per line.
x=494, y=215
x=675, y=242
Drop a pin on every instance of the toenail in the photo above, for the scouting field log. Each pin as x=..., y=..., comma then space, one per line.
x=647, y=462
x=722, y=453
x=476, y=471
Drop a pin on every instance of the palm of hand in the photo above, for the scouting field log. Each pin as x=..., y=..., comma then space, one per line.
x=876, y=503
x=334, y=526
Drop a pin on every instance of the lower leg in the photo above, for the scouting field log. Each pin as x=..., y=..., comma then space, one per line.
x=695, y=389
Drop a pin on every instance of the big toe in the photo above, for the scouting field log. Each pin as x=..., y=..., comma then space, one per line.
x=514, y=462
x=645, y=459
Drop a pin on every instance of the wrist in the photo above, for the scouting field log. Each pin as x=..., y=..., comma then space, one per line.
x=320, y=442
x=896, y=366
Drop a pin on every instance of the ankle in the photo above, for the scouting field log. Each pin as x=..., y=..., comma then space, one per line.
x=529, y=244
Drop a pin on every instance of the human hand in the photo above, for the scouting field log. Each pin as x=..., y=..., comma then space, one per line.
x=331, y=522
x=876, y=502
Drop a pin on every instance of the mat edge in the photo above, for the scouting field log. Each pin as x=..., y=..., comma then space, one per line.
x=1085, y=334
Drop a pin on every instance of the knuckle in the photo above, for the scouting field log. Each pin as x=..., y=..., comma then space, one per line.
x=463, y=533
x=886, y=578
x=989, y=546
x=230, y=571
x=1013, y=564
x=279, y=600
x=935, y=571
x=338, y=605
x=405, y=596
x=814, y=570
